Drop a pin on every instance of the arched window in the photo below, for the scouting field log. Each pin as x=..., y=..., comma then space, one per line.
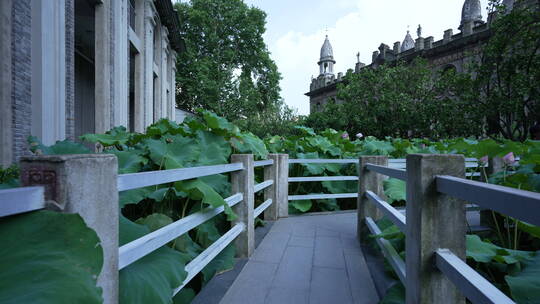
x=449, y=68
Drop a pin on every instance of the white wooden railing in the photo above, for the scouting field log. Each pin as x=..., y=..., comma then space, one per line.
x=435, y=225
x=438, y=186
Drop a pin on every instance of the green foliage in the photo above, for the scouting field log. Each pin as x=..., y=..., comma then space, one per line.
x=227, y=67
x=49, y=257
x=153, y=278
x=402, y=100
x=508, y=70
x=395, y=190
x=9, y=177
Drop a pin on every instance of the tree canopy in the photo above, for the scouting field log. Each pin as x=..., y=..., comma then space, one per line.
x=227, y=67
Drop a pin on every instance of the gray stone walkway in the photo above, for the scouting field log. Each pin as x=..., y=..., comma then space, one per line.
x=308, y=259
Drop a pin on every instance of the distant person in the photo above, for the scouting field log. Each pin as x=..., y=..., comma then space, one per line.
x=535, y=132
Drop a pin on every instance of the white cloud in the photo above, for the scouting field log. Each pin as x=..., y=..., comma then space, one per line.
x=368, y=24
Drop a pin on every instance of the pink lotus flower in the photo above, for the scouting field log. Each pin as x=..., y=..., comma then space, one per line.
x=484, y=159
x=345, y=135
x=359, y=135
x=509, y=158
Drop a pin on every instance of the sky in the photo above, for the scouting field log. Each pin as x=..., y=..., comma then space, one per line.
x=296, y=31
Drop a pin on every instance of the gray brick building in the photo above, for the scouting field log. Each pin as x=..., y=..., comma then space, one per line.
x=71, y=67
x=454, y=51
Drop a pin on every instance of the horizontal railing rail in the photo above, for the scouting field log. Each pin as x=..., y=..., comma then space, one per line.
x=322, y=196
x=138, y=180
x=474, y=286
x=392, y=213
x=204, y=258
x=262, y=207
x=322, y=161
x=388, y=250
x=395, y=173
x=263, y=185
x=263, y=163
x=520, y=204
x=20, y=200
x=139, y=248
x=322, y=179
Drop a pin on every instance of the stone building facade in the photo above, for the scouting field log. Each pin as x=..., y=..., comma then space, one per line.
x=454, y=51
x=71, y=67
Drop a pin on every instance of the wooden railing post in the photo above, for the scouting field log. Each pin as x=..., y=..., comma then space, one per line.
x=87, y=185
x=372, y=181
x=434, y=221
x=282, y=184
x=271, y=173
x=243, y=182
x=495, y=164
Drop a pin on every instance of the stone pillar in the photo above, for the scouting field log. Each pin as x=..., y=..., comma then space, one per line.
x=374, y=56
x=140, y=78
x=173, y=85
x=148, y=57
x=283, y=185
x=243, y=182
x=369, y=181
x=120, y=63
x=419, y=44
x=164, y=64
x=434, y=221
x=467, y=28
x=49, y=70
x=104, y=70
x=271, y=172
x=6, y=136
x=428, y=43
x=87, y=185
x=397, y=47
x=448, y=35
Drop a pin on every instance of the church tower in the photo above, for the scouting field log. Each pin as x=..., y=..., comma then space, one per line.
x=471, y=12
x=326, y=63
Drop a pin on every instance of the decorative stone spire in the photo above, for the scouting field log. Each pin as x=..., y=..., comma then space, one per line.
x=408, y=42
x=471, y=12
x=508, y=5
x=326, y=62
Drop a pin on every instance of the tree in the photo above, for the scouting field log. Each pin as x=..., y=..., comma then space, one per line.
x=508, y=72
x=403, y=100
x=226, y=68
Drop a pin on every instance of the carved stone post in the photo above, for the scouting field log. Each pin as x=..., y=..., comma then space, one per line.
x=271, y=172
x=243, y=182
x=369, y=181
x=434, y=221
x=87, y=185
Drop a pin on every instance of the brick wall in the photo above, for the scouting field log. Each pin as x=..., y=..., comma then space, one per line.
x=21, y=44
x=70, y=69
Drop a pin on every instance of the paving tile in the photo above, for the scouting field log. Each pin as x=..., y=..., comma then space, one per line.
x=305, y=230
x=252, y=285
x=287, y=295
x=328, y=253
x=329, y=286
x=302, y=241
x=323, y=231
x=294, y=271
x=271, y=249
x=360, y=281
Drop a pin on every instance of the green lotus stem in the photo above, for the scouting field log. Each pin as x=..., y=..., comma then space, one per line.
x=184, y=208
x=499, y=232
x=507, y=222
x=516, y=239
